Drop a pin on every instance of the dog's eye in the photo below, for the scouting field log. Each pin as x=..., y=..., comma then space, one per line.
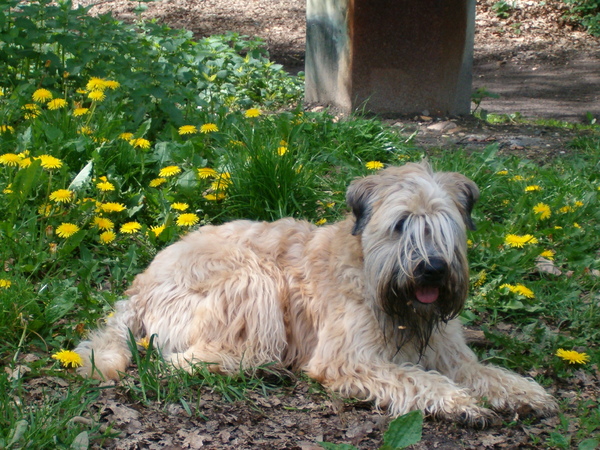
x=399, y=227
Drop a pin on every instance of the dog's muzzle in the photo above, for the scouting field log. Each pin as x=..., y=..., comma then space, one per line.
x=429, y=276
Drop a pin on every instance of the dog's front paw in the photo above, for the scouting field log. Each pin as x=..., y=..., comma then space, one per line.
x=463, y=409
x=539, y=404
x=525, y=397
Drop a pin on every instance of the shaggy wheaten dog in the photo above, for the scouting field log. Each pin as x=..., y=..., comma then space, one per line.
x=365, y=306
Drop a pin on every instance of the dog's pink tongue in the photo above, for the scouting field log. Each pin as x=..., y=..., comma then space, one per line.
x=427, y=294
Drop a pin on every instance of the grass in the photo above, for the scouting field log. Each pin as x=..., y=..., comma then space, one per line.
x=93, y=186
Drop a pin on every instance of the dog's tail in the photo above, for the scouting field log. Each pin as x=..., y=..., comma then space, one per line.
x=106, y=352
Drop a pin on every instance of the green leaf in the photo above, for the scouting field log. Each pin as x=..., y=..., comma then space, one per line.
x=18, y=432
x=81, y=441
x=589, y=444
x=83, y=177
x=61, y=305
x=404, y=431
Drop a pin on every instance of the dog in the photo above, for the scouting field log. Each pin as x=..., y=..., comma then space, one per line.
x=366, y=306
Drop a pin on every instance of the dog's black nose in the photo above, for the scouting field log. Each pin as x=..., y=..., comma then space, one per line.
x=432, y=270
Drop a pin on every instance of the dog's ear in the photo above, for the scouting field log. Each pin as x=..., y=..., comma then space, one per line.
x=464, y=191
x=358, y=197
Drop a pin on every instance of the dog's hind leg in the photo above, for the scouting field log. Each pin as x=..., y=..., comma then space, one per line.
x=106, y=352
x=239, y=323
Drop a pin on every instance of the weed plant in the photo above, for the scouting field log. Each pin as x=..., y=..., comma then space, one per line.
x=115, y=140
x=585, y=12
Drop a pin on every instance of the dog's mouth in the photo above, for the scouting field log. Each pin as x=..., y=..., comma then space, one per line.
x=427, y=294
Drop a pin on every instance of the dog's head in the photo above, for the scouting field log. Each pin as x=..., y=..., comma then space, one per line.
x=412, y=223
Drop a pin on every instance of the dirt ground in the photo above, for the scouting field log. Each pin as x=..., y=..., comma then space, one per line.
x=541, y=66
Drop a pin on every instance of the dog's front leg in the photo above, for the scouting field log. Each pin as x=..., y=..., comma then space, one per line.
x=503, y=390
x=398, y=388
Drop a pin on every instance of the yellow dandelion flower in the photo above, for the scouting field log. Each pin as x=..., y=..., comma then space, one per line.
x=322, y=221
x=24, y=163
x=282, y=150
x=207, y=172
x=169, y=171
x=107, y=237
x=96, y=84
x=66, y=230
x=542, y=210
x=253, y=112
x=187, y=220
x=78, y=112
x=126, y=136
x=105, y=186
x=103, y=223
x=112, y=207
x=517, y=178
x=57, y=103
x=576, y=225
x=85, y=130
x=31, y=110
x=130, y=227
x=187, y=129
x=518, y=289
x=480, y=279
x=222, y=182
x=96, y=95
x=62, y=196
x=10, y=159
x=45, y=210
x=68, y=358
x=572, y=357
x=566, y=209
x=514, y=240
x=7, y=189
x=157, y=182
x=533, y=188
x=180, y=206
x=112, y=84
x=144, y=342
x=42, y=96
x=6, y=129
x=215, y=197
x=157, y=229
x=50, y=162
x=502, y=172
x=524, y=291
x=374, y=165
x=5, y=284
x=469, y=243
x=140, y=143
x=548, y=254
x=578, y=204
x=209, y=128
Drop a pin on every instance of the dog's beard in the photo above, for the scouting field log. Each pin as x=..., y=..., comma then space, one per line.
x=413, y=320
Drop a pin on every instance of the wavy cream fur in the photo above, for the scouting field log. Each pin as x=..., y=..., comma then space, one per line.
x=310, y=298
